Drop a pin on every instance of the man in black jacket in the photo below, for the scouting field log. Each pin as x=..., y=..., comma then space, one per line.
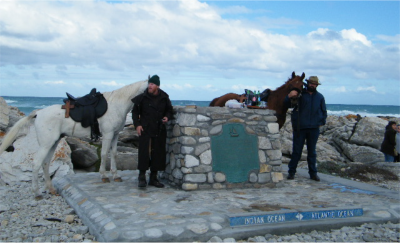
x=309, y=114
x=151, y=110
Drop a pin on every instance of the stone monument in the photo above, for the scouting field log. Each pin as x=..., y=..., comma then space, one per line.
x=220, y=147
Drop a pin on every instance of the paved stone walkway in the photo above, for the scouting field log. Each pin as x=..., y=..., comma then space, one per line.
x=119, y=211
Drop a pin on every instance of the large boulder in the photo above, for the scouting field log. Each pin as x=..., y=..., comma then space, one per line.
x=357, y=153
x=342, y=139
x=127, y=152
x=127, y=158
x=370, y=132
x=338, y=126
x=83, y=154
x=9, y=115
x=14, y=116
x=18, y=165
x=128, y=137
x=358, y=141
x=4, y=114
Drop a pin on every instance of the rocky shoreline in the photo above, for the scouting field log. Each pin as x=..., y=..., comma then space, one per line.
x=344, y=140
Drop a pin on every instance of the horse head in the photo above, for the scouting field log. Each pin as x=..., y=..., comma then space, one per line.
x=296, y=83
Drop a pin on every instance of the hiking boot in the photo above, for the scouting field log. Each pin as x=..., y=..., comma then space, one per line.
x=315, y=178
x=142, y=181
x=290, y=177
x=154, y=182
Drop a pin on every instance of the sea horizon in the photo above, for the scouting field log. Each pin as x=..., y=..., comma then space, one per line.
x=27, y=104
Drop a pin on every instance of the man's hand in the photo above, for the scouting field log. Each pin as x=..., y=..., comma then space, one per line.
x=165, y=119
x=139, y=130
x=293, y=93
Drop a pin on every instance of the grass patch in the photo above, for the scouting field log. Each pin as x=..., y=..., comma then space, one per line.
x=361, y=172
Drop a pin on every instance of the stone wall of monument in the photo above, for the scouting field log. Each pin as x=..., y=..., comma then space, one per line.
x=192, y=137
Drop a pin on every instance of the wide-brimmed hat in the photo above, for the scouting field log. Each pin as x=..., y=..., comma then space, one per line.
x=313, y=80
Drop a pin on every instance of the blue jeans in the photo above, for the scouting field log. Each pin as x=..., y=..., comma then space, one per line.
x=388, y=158
x=299, y=138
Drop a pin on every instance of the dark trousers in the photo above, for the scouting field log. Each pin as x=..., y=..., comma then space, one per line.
x=299, y=138
x=154, y=156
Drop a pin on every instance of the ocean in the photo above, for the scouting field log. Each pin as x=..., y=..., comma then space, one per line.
x=28, y=104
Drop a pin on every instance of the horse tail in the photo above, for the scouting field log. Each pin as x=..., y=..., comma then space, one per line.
x=212, y=103
x=13, y=133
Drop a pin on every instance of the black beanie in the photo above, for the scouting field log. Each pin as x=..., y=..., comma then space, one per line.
x=155, y=80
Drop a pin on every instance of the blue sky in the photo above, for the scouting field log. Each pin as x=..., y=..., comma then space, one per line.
x=201, y=49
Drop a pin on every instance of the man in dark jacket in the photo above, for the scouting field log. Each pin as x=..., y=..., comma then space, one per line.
x=307, y=116
x=151, y=110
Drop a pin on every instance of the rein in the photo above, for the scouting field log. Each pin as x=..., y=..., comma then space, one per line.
x=294, y=103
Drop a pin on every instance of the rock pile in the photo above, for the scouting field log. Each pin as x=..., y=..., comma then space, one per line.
x=342, y=139
x=22, y=219
x=388, y=232
x=51, y=219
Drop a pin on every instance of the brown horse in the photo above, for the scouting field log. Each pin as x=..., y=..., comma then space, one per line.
x=220, y=101
x=274, y=98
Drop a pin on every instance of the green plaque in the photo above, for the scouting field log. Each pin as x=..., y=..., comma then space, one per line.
x=235, y=153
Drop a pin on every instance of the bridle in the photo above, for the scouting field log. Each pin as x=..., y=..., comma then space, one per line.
x=294, y=102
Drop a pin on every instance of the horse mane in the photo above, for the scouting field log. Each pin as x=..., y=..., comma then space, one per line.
x=126, y=92
x=283, y=86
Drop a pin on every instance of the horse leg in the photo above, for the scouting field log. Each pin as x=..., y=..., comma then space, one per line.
x=105, y=147
x=113, y=165
x=37, y=164
x=46, y=166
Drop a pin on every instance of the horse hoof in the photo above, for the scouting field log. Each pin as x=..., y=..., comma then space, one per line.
x=39, y=197
x=105, y=180
x=119, y=179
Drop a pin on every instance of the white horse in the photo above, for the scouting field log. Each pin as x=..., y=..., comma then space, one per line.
x=51, y=124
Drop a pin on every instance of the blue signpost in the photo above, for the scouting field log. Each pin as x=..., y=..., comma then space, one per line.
x=273, y=218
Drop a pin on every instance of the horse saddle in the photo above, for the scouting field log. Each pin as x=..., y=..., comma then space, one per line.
x=86, y=110
x=264, y=95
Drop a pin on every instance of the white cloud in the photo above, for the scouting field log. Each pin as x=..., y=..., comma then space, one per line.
x=234, y=10
x=393, y=39
x=54, y=82
x=240, y=87
x=352, y=35
x=112, y=83
x=124, y=39
x=371, y=88
x=189, y=86
x=209, y=87
x=190, y=34
x=341, y=89
x=177, y=86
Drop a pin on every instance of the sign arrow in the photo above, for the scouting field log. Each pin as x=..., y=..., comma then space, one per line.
x=299, y=216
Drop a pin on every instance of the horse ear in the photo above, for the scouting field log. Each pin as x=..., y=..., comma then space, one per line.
x=303, y=76
x=293, y=74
